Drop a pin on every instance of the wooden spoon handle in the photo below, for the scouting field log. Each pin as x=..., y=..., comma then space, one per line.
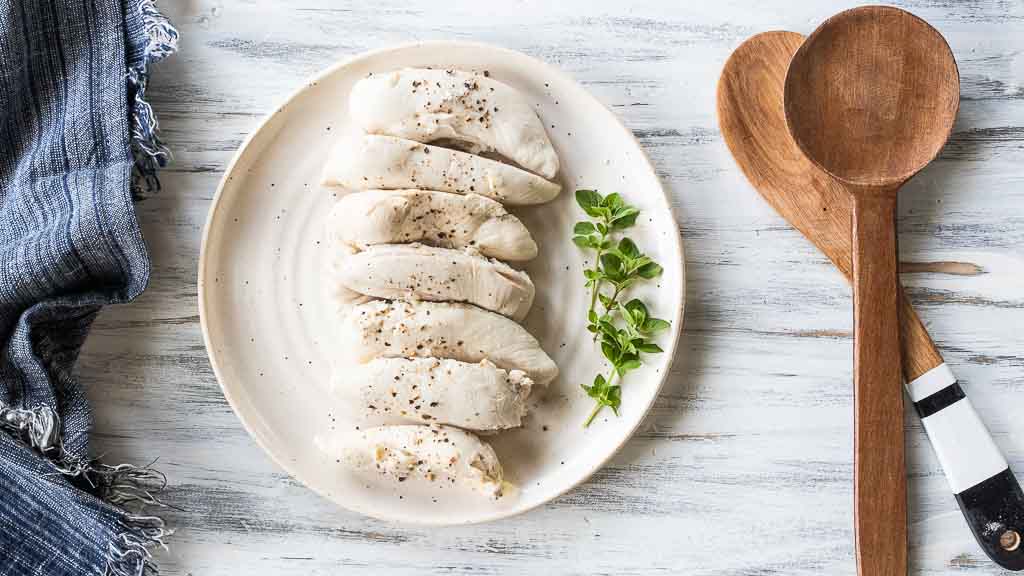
x=919, y=351
x=880, y=493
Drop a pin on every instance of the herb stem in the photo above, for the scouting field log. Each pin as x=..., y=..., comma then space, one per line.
x=615, y=295
x=599, y=406
x=597, y=282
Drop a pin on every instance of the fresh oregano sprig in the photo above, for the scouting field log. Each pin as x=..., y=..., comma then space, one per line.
x=624, y=331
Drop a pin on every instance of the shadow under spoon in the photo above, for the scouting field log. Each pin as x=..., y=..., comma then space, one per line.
x=753, y=124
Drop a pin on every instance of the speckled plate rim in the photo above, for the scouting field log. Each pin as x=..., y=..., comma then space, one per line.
x=215, y=206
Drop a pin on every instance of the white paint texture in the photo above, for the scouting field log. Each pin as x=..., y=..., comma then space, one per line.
x=744, y=465
x=930, y=382
x=963, y=446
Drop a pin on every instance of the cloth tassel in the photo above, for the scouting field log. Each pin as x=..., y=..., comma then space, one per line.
x=131, y=554
x=122, y=485
x=148, y=150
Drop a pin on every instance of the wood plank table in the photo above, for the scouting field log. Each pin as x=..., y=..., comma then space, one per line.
x=744, y=466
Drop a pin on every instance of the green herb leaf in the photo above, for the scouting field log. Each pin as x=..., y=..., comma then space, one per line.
x=623, y=284
x=624, y=218
x=637, y=312
x=583, y=228
x=609, y=329
x=649, y=270
x=611, y=265
x=597, y=388
x=655, y=325
x=588, y=200
x=649, y=348
x=639, y=262
x=628, y=366
x=609, y=351
x=628, y=249
x=614, y=201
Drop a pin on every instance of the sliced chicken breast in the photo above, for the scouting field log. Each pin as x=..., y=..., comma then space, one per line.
x=445, y=330
x=426, y=105
x=364, y=219
x=477, y=396
x=419, y=454
x=417, y=272
x=370, y=161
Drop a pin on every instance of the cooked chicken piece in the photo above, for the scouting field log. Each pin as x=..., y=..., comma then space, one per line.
x=364, y=219
x=422, y=454
x=430, y=390
x=426, y=105
x=417, y=272
x=370, y=161
x=444, y=330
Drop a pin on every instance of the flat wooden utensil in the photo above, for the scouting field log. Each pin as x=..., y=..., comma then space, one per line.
x=752, y=121
x=754, y=127
x=871, y=97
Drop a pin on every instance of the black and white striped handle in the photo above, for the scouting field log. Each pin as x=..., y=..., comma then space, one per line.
x=985, y=488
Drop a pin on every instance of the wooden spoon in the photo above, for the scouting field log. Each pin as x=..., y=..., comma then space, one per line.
x=871, y=97
x=753, y=124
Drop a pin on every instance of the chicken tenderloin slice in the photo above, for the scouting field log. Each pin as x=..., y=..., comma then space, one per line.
x=398, y=329
x=477, y=396
x=440, y=219
x=425, y=105
x=371, y=161
x=431, y=455
x=417, y=272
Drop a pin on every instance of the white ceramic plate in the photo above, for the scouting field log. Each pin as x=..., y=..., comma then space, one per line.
x=267, y=317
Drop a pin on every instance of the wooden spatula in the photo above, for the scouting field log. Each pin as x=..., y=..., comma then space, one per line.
x=750, y=112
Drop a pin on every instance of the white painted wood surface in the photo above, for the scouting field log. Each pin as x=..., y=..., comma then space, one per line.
x=744, y=466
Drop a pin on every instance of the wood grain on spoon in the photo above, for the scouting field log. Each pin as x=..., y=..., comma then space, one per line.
x=870, y=97
x=753, y=125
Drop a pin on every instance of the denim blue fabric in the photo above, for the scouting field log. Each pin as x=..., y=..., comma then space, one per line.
x=75, y=135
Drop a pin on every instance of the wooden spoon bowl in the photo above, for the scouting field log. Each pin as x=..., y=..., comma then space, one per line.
x=872, y=95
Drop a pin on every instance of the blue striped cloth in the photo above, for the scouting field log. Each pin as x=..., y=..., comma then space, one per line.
x=75, y=135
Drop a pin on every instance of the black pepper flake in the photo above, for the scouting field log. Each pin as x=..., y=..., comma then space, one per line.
x=487, y=73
